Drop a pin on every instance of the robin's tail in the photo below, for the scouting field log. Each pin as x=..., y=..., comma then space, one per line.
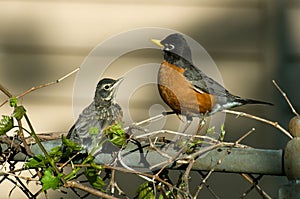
x=251, y=101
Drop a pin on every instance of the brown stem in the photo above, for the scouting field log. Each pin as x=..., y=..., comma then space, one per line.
x=286, y=98
x=4, y=90
x=21, y=134
x=275, y=124
x=90, y=190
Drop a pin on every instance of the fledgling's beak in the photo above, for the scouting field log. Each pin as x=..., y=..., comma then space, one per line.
x=118, y=82
x=157, y=42
x=116, y=86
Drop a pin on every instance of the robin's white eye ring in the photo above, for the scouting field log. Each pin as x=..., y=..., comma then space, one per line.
x=170, y=47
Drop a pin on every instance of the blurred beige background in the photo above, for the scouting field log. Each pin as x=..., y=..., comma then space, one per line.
x=251, y=41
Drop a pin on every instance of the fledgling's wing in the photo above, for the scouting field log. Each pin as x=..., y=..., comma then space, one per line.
x=80, y=132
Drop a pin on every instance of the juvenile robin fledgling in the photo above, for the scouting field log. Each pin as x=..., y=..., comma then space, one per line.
x=100, y=114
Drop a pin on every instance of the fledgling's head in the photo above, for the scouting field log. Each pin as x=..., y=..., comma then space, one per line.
x=106, y=90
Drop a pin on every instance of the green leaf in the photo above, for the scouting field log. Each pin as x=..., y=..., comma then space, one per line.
x=146, y=191
x=190, y=148
x=6, y=123
x=94, y=179
x=169, y=194
x=50, y=181
x=210, y=130
x=92, y=173
x=93, y=131
x=56, y=153
x=19, y=112
x=69, y=147
x=116, y=135
x=70, y=144
x=38, y=161
x=13, y=102
x=89, y=159
x=96, y=166
x=223, y=132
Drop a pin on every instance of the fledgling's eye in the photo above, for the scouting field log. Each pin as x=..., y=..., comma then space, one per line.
x=106, y=87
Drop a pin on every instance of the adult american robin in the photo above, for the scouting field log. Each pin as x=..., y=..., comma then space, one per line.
x=100, y=114
x=185, y=88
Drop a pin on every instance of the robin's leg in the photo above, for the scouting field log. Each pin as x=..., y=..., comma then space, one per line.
x=188, y=123
x=201, y=124
x=168, y=113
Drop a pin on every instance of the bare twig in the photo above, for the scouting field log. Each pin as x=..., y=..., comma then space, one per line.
x=90, y=190
x=68, y=161
x=35, y=87
x=151, y=119
x=183, y=148
x=46, y=136
x=112, y=183
x=253, y=181
x=5, y=91
x=5, y=139
x=244, y=136
x=163, y=154
x=185, y=178
x=221, y=160
x=286, y=98
x=174, y=157
x=2, y=172
x=149, y=176
x=203, y=182
x=274, y=124
x=158, y=132
x=21, y=186
x=202, y=151
x=207, y=186
x=131, y=171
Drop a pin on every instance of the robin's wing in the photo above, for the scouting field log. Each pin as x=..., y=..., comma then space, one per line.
x=203, y=83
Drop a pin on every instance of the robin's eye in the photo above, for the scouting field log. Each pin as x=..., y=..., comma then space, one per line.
x=169, y=46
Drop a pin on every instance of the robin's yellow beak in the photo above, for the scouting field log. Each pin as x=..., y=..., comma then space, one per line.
x=157, y=42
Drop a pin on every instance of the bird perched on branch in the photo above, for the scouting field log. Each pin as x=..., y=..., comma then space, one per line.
x=185, y=88
x=99, y=115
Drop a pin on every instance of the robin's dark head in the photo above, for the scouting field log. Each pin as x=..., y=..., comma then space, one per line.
x=175, y=44
x=106, y=90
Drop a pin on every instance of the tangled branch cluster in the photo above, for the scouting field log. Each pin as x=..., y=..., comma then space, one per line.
x=49, y=170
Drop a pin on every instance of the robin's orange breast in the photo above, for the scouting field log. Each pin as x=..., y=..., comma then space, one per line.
x=179, y=94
